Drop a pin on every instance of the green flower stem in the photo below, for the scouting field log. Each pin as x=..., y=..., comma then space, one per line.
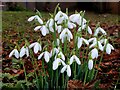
x=57, y=78
x=51, y=73
x=65, y=46
x=99, y=64
x=75, y=70
x=24, y=71
x=85, y=76
x=55, y=38
x=63, y=80
x=34, y=62
x=66, y=81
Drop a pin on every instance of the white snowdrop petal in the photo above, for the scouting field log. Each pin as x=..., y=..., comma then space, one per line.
x=69, y=33
x=37, y=28
x=91, y=39
x=11, y=53
x=94, y=53
x=111, y=47
x=74, y=17
x=56, y=63
x=100, y=46
x=90, y=64
x=86, y=41
x=31, y=18
x=63, y=69
x=44, y=30
x=22, y=52
x=32, y=45
x=39, y=19
x=16, y=53
x=89, y=30
x=68, y=71
x=51, y=29
x=46, y=56
x=70, y=25
x=77, y=60
x=60, y=20
x=79, y=44
x=57, y=15
x=65, y=16
x=51, y=23
x=71, y=60
x=62, y=56
x=39, y=57
x=36, y=48
x=103, y=31
x=108, y=49
x=96, y=32
x=59, y=28
x=62, y=35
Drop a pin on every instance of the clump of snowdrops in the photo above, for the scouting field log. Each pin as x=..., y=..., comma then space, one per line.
x=63, y=62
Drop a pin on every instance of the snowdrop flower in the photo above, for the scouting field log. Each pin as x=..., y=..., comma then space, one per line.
x=75, y=58
x=67, y=69
x=50, y=25
x=71, y=25
x=95, y=43
x=57, y=62
x=46, y=56
x=35, y=17
x=83, y=27
x=80, y=42
x=109, y=47
x=90, y=64
x=60, y=17
x=94, y=53
x=14, y=52
x=24, y=51
x=44, y=30
x=37, y=47
x=99, y=29
x=66, y=33
x=76, y=18
x=54, y=51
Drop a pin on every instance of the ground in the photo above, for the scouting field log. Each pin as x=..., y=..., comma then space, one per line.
x=15, y=27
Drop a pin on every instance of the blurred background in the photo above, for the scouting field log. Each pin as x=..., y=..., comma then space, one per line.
x=99, y=7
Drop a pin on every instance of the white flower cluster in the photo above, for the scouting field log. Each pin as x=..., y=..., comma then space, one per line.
x=63, y=24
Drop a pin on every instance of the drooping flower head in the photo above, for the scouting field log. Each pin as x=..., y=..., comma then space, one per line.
x=80, y=42
x=44, y=30
x=66, y=34
x=76, y=59
x=60, y=17
x=67, y=69
x=35, y=17
x=24, y=51
x=98, y=30
x=37, y=47
x=14, y=52
x=46, y=55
